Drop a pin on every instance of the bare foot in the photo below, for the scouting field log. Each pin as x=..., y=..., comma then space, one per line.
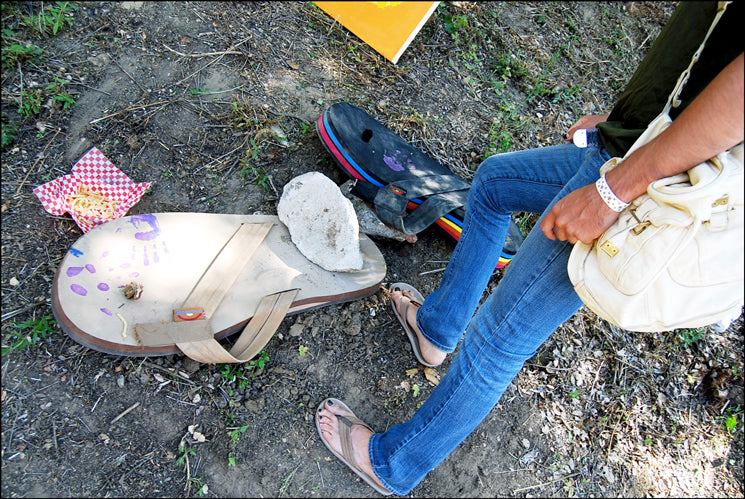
x=359, y=434
x=430, y=353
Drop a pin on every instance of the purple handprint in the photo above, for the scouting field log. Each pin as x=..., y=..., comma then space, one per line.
x=144, y=253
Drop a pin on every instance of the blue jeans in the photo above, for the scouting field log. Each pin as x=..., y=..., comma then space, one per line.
x=533, y=298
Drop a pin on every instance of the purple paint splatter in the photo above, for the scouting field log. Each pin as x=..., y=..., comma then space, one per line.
x=106, y=311
x=73, y=271
x=392, y=163
x=90, y=268
x=103, y=286
x=78, y=289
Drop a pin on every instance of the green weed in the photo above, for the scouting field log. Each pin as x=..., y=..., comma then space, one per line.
x=731, y=423
x=240, y=372
x=185, y=453
x=8, y=133
x=454, y=23
x=235, y=435
x=30, y=333
x=15, y=53
x=354, y=54
x=689, y=337
x=257, y=175
x=59, y=94
x=52, y=19
x=241, y=117
x=30, y=103
x=286, y=483
x=539, y=88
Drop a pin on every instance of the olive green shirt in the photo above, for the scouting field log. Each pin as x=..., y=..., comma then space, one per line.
x=649, y=88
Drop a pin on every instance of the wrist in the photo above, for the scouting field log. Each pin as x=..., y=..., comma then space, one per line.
x=609, y=197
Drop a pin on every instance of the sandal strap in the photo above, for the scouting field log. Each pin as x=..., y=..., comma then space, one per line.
x=345, y=434
x=405, y=302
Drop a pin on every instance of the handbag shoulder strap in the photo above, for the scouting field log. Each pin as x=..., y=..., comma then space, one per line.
x=673, y=100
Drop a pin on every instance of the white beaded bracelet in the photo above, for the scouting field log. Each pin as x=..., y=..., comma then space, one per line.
x=613, y=202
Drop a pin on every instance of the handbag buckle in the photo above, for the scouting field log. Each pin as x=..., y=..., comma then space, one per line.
x=641, y=224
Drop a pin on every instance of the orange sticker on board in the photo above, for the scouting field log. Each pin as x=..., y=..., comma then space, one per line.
x=388, y=27
x=188, y=314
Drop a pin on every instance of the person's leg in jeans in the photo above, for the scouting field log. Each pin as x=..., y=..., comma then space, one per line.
x=533, y=298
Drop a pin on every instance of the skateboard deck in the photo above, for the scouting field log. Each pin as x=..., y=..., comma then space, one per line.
x=164, y=256
x=391, y=172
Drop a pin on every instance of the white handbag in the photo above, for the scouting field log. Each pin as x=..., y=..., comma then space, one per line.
x=674, y=258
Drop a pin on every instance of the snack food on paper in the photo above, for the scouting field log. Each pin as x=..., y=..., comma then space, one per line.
x=95, y=192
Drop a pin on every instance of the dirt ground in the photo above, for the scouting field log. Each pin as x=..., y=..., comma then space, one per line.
x=215, y=103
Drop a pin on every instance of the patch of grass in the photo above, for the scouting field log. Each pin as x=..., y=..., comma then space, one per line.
x=185, y=452
x=30, y=333
x=235, y=435
x=241, y=115
x=30, y=103
x=255, y=174
x=15, y=53
x=689, y=337
x=352, y=53
x=8, y=133
x=453, y=23
x=59, y=94
x=241, y=372
x=286, y=483
x=508, y=123
x=730, y=420
x=183, y=460
x=51, y=19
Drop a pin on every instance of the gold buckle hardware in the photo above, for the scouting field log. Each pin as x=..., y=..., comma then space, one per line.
x=720, y=202
x=609, y=249
x=642, y=223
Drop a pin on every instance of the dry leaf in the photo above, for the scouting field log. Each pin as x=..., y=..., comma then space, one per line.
x=432, y=376
x=412, y=372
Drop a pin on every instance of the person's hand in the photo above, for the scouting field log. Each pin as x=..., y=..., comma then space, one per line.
x=589, y=121
x=581, y=215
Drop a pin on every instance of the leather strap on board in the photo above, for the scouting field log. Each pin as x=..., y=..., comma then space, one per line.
x=222, y=273
x=257, y=333
x=195, y=338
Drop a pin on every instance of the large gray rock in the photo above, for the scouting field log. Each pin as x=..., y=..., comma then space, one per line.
x=322, y=222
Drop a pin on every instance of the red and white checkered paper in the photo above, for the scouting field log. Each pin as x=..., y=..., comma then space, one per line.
x=97, y=174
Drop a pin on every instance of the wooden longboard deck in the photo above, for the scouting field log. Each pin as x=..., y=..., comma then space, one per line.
x=167, y=254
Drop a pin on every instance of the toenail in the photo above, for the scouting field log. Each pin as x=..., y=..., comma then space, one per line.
x=331, y=402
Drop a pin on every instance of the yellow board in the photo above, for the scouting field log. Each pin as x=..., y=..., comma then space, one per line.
x=388, y=27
